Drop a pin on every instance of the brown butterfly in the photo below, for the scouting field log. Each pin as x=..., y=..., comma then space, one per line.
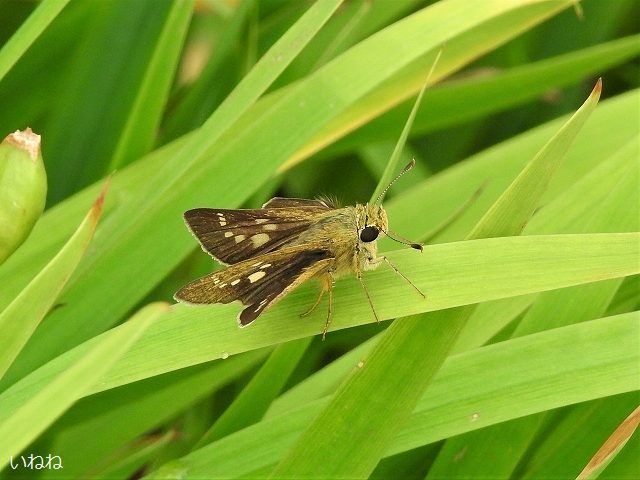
x=271, y=250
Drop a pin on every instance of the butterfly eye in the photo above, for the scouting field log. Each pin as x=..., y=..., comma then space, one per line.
x=369, y=234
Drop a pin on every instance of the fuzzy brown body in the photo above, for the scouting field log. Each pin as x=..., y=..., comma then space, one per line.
x=339, y=231
x=272, y=250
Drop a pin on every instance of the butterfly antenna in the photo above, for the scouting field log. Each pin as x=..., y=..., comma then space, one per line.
x=408, y=167
x=404, y=241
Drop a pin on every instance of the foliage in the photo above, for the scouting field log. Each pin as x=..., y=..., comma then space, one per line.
x=527, y=338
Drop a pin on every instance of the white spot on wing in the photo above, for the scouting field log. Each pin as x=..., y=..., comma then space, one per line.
x=220, y=214
x=222, y=224
x=262, y=220
x=260, y=305
x=259, y=239
x=236, y=281
x=266, y=265
x=239, y=238
x=228, y=234
x=254, y=277
x=270, y=226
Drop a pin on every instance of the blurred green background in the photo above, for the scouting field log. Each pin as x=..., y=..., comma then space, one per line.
x=86, y=68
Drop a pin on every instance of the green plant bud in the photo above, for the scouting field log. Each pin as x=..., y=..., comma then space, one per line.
x=23, y=189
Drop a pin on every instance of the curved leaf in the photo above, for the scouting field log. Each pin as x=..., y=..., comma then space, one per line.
x=29, y=31
x=59, y=393
x=473, y=390
x=22, y=316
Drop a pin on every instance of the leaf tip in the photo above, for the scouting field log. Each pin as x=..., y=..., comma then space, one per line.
x=96, y=209
x=25, y=140
x=597, y=90
x=162, y=306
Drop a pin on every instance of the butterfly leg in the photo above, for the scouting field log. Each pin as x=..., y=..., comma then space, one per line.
x=328, y=281
x=395, y=269
x=329, y=312
x=366, y=292
x=316, y=303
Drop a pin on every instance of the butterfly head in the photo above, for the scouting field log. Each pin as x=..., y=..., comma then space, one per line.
x=372, y=221
x=375, y=218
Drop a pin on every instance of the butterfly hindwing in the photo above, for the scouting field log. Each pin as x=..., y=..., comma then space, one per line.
x=232, y=236
x=258, y=282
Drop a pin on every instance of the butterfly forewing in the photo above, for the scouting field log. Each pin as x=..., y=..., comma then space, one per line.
x=258, y=282
x=232, y=236
x=282, y=202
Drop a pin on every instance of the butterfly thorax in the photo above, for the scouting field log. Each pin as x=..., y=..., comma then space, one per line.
x=340, y=230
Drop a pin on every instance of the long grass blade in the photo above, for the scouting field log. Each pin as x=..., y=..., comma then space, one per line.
x=392, y=165
x=28, y=32
x=368, y=434
x=59, y=393
x=489, y=385
x=19, y=320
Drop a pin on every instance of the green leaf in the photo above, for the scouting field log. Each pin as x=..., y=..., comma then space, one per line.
x=125, y=463
x=449, y=463
x=473, y=390
x=359, y=439
x=495, y=25
x=243, y=97
x=23, y=189
x=197, y=103
x=611, y=447
x=116, y=417
x=145, y=233
x=323, y=382
x=626, y=463
x=254, y=400
x=369, y=60
x=391, y=167
x=464, y=100
x=577, y=433
x=509, y=216
x=514, y=208
x=368, y=434
x=481, y=270
x=57, y=394
x=601, y=194
x=28, y=32
x=357, y=21
x=550, y=310
x=139, y=226
x=140, y=128
x=22, y=316
x=42, y=70
x=444, y=193
x=105, y=69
